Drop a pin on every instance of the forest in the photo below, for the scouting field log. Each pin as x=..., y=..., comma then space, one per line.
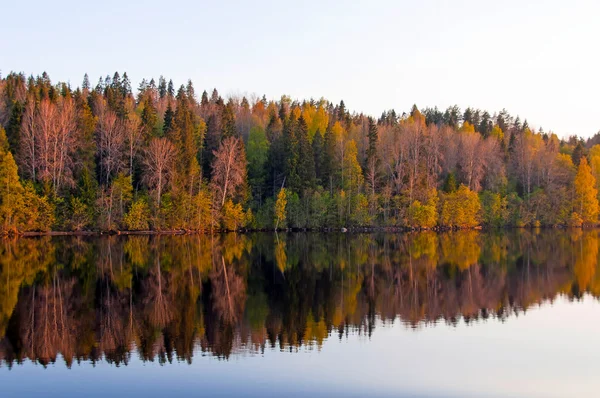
x=106, y=158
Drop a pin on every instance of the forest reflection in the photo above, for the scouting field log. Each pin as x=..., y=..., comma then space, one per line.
x=168, y=298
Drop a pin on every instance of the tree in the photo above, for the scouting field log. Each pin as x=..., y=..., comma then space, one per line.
x=586, y=194
x=318, y=155
x=306, y=160
x=49, y=142
x=229, y=169
x=280, y=205
x=111, y=142
x=372, y=158
x=258, y=152
x=461, y=209
x=352, y=170
x=11, y=190
x=159, y=165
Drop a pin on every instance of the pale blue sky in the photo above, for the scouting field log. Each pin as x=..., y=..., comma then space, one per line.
x=539, y=59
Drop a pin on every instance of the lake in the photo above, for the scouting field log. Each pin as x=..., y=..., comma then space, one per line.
x=458, y=314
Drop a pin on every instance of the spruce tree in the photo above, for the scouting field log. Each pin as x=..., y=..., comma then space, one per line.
x=328, y=166
x=171, y=89
x=228, y=128
x=168, y=120
x=306, y=161
x=162, y=87
x=317, y=149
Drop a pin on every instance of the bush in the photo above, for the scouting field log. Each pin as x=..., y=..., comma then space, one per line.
x=137, y=217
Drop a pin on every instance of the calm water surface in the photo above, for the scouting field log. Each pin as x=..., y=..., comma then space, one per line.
x=465, y=314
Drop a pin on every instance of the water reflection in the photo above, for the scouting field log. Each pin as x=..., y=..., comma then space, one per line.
x=168, y=298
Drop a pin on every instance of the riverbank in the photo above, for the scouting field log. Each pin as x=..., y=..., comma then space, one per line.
x=390, y=229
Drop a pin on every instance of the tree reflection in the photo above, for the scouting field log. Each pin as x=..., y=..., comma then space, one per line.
x=168, y=297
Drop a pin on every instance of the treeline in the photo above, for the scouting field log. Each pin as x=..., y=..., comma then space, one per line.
x=170, y=298
x=106, y=158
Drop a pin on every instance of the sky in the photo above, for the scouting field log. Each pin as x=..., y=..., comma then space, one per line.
x=538, y=59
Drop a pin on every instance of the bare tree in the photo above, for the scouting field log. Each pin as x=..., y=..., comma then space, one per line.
x=65, y=144
x=48, y=141
x=471, y=159
x=111, y=140
x=27, y=141
x=134, y=135
x=229, y=168
x=159, y=163
x=414, y=137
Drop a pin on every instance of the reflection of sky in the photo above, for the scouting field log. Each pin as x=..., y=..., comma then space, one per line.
x=551, y=351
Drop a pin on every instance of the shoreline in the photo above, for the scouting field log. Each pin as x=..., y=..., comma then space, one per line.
x=286, y=230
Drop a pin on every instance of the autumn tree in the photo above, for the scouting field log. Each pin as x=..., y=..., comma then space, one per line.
x=586, y=194
x=461, y=209
x=11, y=190
x=280, y=208
x=229, y=169
x=159, y=165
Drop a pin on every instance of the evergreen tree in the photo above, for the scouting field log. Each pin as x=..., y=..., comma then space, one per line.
x=171, y=89
x=86, y=83
x=168, y=119
x=306, y=161
x=327, y=166
x=13, y=126
x=228, y=121
x=317, y=149
x=162, y=87
x=578, y=153
x=149, y=118
x=372, y=137
x=291, y=154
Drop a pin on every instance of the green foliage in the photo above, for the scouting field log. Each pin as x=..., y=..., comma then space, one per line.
x=80, y=215
x=494, y=209
x=450, y=184
x=257, y=151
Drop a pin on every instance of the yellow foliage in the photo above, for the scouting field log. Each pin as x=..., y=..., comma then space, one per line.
x=461, y=209
x=497, y=133
x=467, y=128
x=586, y=194
x=280, y=205
x=233, y=216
